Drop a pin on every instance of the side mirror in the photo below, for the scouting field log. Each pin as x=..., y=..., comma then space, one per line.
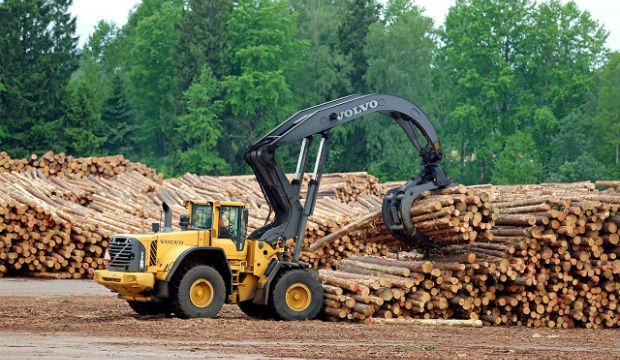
x=184, y=221
x=155, y=227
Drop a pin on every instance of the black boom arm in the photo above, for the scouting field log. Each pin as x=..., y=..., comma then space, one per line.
x=283, y=196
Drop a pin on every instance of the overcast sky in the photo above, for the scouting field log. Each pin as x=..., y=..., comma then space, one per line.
x=88, y=12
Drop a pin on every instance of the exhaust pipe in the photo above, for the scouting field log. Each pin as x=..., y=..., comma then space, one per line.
x=167, y=217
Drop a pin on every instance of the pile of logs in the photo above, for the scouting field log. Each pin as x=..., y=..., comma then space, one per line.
x=59, y=228
x=613, y=185
x=551, y=258
x=348, y=187
x=51, y=164
x=84, y=211
x=449, y=216
x=532, y=255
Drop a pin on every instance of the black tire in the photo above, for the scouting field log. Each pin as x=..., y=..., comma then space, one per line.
x=256, y=311
x=297, y=279
x=149, y=308
x=181, y=299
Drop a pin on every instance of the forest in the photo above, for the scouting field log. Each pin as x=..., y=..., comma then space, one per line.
x=519, y=91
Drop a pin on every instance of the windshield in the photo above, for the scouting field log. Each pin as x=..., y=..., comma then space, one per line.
x=202, y=216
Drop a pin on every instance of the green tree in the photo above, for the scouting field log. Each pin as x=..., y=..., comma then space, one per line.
x=37, y=57
x=202, y=39
x=606, y=119
x=199, y=130
x=400, y=54
x=325, y=72
x=518, y=163
x=566, y=45
x=82, y=125
x=353, y=27
x=584, y=167
x=570, y=142
x=264, y=52
x=152, y=77
x=483, y=41
x=118, y=120
x=98, y=62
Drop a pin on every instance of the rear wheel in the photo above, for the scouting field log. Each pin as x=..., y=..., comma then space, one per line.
x=198, y=291
x=256, y=311
x=297, y=295
x=149, y=308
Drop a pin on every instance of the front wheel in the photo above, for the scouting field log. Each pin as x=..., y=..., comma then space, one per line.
x=297, y=295
x=197, y=292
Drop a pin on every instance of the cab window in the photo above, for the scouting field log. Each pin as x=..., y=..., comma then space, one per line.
x=229, y=222
x=202, y=216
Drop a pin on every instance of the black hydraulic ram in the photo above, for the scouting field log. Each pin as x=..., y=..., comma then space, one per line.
x=283, y=196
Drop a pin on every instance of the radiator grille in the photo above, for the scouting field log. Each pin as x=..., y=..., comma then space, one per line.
x=121, y=252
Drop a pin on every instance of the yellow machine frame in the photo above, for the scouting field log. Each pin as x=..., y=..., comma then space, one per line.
x=246, y=268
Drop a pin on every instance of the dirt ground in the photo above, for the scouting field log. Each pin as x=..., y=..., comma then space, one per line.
x=100, y=326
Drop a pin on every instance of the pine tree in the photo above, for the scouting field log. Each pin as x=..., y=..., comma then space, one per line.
x=353, y=27
x=117, y=117
x=202, y=40
x=82, y=126
x=200, y=129
x=37, y=57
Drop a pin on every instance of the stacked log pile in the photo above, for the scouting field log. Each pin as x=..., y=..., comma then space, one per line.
x=448, y=216
x=551, y=259
x=534, y=255
x=51, y=164
x=59, y=228
x=612, y=185
x=84, y=211
x=348, y=187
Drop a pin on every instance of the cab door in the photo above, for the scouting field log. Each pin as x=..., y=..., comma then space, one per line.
x=231, y=227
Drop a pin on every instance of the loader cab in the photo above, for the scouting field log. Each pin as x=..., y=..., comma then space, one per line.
x=227, y=221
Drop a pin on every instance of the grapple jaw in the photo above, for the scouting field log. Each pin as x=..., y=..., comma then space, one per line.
x=396, y=210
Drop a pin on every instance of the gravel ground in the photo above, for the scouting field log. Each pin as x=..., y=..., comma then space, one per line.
x=91, y=326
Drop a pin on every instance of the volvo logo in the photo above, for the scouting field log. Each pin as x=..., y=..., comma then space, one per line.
x=357, y=109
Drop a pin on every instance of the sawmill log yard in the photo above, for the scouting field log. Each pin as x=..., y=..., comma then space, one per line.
x=519, y=271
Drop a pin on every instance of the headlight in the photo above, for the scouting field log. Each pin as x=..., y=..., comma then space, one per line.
x=141, y=260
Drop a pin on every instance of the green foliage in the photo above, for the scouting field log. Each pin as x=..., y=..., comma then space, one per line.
x=519, y=162
x=202, y=39
x=199, y=130
x=606, y=119
x=324, y=73
x=82, y=125
x=516, y=65
x=354, y=25
x=400, y=54
x=519, y=90
x=151, y=76
x=570, y=141
x=584, y=167
x=117, y=115
x=37, y=56
x=264, y=52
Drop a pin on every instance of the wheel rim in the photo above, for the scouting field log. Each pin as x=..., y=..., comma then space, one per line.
x=201, y=293
x=298, y=297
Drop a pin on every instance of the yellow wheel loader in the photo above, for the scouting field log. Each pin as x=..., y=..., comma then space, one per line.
x=210, y=261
